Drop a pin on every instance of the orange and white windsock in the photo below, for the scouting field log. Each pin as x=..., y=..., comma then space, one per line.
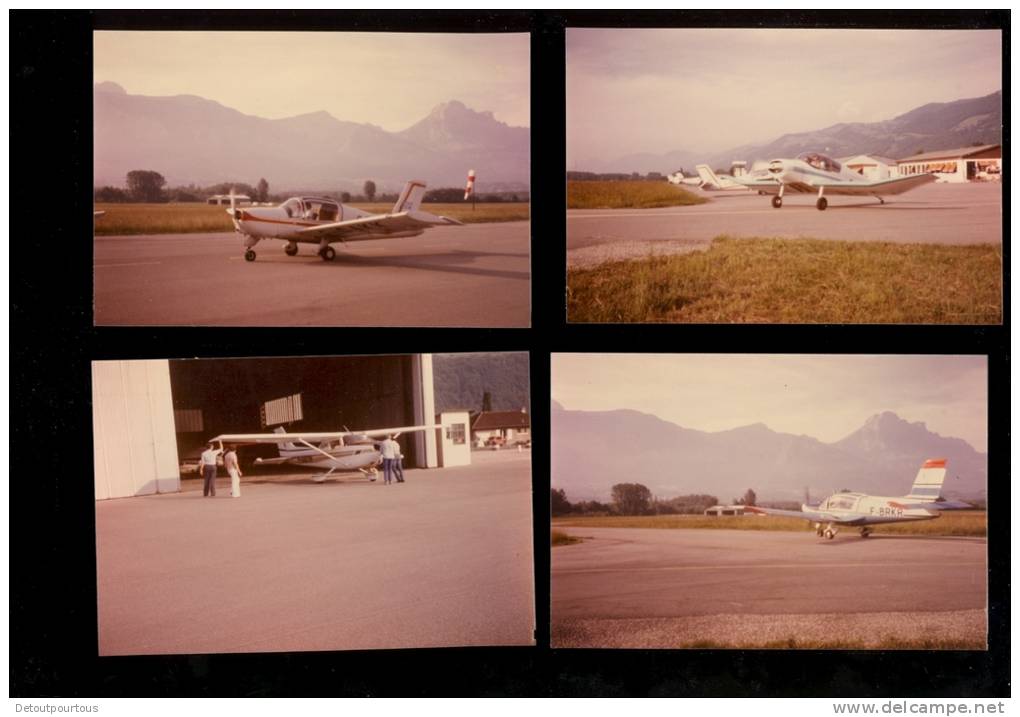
x=470, y=188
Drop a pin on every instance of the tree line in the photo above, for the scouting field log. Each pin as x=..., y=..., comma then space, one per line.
x=637, y=499
x=574, y=176
x=149, y=186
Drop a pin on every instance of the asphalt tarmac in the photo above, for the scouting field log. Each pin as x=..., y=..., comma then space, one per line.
x=476, y=275
x=695, y=586
x=933, y=214
x=444, y=559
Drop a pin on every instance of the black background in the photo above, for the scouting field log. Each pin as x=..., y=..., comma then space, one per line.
x=53, y=647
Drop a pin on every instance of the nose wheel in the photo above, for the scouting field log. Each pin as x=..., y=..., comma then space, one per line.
x=822, y=203
x=290, y=250
x=777, y=201
x=249, y=255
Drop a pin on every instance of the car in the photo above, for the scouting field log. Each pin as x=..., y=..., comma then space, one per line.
x=495, y=442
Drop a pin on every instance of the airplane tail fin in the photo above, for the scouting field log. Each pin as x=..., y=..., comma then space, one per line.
x=285, y=446
x=708, y=177
x=928, y=483
x=410, y=199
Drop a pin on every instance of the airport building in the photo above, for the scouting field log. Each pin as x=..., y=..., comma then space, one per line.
x=964, y=164
x=508, y=427
x=871, y=166
x=225, y=199
x=717, y=510
x=151, y=416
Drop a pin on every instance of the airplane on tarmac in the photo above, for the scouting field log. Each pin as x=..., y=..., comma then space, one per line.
x=321, y=221
x=344, y=451
x=718, y=182
x=857, y=510
x=815, y=173
x=679, y=177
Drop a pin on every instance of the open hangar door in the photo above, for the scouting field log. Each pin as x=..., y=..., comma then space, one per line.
x=214, y=396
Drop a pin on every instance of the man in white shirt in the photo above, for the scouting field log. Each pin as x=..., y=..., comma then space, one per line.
x=389, y=449
x=208, y=464
x=234, y=469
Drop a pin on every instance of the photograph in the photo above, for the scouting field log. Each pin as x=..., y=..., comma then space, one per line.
x=784, y=176
x=311, y=179
x=313, y=503
x=725, y=501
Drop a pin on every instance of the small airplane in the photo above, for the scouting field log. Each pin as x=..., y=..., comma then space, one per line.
x=815, y=173
x=344, y=451
x=679, y=177
x=322, y=221
x=924, y=502
x=718, y=182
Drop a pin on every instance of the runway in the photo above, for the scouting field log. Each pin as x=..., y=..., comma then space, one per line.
x=444, y=559
x=675, y=588
x=933, y=214
x=476, y=275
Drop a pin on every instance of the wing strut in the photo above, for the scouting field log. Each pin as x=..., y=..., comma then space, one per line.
x=327, y=474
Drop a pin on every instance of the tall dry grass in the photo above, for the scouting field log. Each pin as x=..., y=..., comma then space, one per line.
x=620, y=195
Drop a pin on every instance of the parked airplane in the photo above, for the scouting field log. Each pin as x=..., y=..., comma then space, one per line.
x=924, y=502
x=680, y=177
x=815, y=173
x=718, y=182
x=344, y=451
x=317, y=220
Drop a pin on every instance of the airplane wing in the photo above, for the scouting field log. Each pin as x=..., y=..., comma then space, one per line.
x=812, y=515
x=372, y=227
x=897, y=185
x=317, y=437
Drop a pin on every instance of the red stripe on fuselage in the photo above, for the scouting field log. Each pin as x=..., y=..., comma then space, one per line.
x=246, y=217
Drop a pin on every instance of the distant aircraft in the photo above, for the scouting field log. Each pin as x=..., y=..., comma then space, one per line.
x=815, y=173
x=344, y=451
x=924, y=502
x=679, y=177
x=718, y=182
x=321, y=221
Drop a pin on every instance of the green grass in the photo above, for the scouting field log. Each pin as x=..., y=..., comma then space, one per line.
x=620, y=195
x=957, y=523
x=889, y=643
x=764, y=280
x=124, y=219
x=558, y=537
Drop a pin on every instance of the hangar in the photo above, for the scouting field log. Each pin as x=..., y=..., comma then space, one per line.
x=871, y=166
x=980, y=163
x=148, y=416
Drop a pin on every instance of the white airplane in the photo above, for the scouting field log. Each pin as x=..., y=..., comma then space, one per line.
x=344, y=451
x=321, y=221
x=812, y=173
x=678, y=177
x=924, y=502
x=718, y=182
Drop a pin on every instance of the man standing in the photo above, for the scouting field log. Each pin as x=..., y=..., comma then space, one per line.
x=398, y=466
x=208, y=464
x=389, y=449
x=234, y=469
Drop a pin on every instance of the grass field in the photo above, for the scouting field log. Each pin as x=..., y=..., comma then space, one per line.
x=764, y=280
x=558, y=537
x=620, y=195
x=971, y=523
x=188, y=218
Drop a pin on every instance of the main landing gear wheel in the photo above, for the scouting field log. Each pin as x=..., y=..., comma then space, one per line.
x=830, y=533
x=822, y=203
x=328, y=253
x=777, y=201
x=290, y=250
x=249, y=255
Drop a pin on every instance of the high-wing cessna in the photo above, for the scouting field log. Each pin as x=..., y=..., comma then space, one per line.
x=320, y=221
x=857, y=510
x=813, y=173
x=344, y=451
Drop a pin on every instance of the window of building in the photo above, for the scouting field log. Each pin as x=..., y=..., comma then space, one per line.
x=456, y=432
x=281, y=410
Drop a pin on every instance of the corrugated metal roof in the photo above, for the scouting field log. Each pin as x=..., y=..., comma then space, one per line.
x=948, y=153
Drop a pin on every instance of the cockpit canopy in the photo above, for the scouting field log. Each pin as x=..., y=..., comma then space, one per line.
x=820, y=161
x=323, y=210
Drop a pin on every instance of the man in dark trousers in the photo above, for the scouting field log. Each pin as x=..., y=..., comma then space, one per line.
x=208, y=464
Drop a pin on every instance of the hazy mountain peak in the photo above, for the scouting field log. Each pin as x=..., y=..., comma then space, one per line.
x=556, y=405
x=110, y=87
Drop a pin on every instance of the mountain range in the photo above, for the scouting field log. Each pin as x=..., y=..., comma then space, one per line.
x=461, y=381
x=593, y=450
x=934, y=126
x=190, y=139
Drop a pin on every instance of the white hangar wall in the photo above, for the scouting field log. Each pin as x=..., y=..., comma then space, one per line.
x=134, y=444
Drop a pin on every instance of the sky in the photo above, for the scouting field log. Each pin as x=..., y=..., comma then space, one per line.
x=391, y=80
x=823, y=396
x=661, y=90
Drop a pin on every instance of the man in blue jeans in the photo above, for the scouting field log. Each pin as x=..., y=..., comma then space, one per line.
x=389, y=449
x=208, y=465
